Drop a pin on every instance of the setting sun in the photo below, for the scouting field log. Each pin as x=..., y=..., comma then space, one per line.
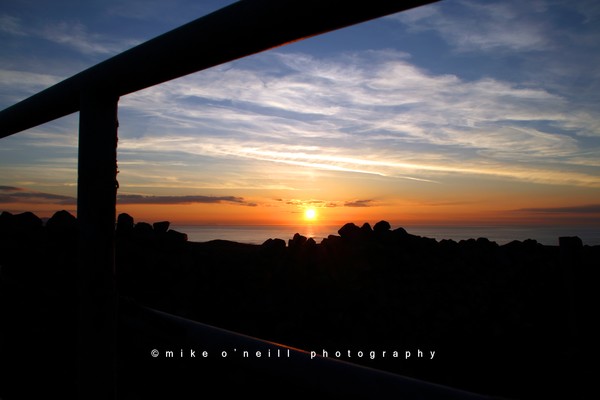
x=310, y=214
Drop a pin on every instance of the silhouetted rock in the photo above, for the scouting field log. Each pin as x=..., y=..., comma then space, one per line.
x=62, y=223
x=297, y=241
x=332, y=242
x=400, y=231
x=382, y=226
x=125, y=224
x=366, y=228
x=143, y=231
x=6, y=221
x=571, y=252
x=530, y=242
x=573, y=242
x=161, y=228
x=27, y=222
x=351, y=232
x=491, y=312
x=448, y=244
x=513, y=244
x=273, y=246
x=176, y=236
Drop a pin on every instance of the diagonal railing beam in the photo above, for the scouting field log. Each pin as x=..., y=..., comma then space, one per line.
x=241, y=29
x=290, y=368
x=244, y=28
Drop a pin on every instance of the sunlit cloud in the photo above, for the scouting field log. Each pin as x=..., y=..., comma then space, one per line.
x=359, y=203
x=369, y=123
x=379, y=162
x=316, y=113
x=317, y=203
x=45, y=176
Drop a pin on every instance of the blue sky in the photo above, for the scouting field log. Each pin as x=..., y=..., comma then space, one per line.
x=455, y=111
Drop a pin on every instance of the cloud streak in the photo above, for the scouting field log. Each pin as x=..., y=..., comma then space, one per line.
x=71, y=34
x=476, y=26
x=17, y=85
x=584, y=209
x=11, y=25
x=173, y=200
x=76, y=36
x=11, y=194
x=359, y=203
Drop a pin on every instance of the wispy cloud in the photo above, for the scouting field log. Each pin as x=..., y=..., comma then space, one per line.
x=172, y=200
x=76, y=36
x=580, y=209
x=318, y=203
x=11, y=25
x=10, y=189
x=359, y=203
x=371, y=112
x=477, y=26
x=17, y=85
x=11, y=194
x=367, y=112
x=385, y=94
x=160, y=12
x=71, y=34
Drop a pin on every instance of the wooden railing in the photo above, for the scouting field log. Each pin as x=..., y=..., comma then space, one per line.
x=236, y=31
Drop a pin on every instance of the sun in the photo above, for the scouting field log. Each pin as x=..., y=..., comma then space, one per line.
x=310, y=214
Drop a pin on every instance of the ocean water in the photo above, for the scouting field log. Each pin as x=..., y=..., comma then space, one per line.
x=547, y=235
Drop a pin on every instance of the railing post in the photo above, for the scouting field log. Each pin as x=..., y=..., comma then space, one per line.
x=96, y=214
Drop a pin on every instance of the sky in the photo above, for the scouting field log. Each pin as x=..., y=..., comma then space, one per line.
x=454, y=113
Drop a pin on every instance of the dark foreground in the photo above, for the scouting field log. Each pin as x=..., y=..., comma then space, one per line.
x=515, y=321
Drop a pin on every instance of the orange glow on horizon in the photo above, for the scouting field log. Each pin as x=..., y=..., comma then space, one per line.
x=398, y=212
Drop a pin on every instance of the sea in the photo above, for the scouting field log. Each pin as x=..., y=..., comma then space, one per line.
x=546, y=235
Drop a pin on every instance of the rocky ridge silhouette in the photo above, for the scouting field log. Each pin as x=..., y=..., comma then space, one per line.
x=504, y=320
